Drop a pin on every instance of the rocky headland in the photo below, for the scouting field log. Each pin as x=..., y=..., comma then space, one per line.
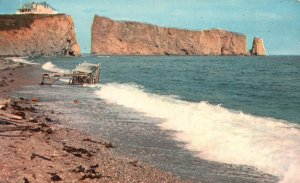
x=133, y=38
x=54, y=35
x=38, y=35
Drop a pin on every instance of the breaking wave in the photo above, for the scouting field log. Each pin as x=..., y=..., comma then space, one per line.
x=217, y=133
x=49, y=66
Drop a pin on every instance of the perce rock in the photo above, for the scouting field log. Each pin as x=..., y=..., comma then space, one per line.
x=132, y=38
x=38, y=35
x=258, y=47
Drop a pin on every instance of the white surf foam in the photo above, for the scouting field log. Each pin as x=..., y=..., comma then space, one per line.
x=49, y=66
x=92, y=85
x=64, y=80
x=21, y=60
x=217, y=133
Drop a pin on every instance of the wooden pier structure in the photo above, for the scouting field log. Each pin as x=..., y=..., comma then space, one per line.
x=84, y=73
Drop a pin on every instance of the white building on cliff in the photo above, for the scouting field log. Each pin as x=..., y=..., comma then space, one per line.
x=36, y=8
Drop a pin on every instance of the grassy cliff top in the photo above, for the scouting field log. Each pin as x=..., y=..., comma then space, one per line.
x=10, y=22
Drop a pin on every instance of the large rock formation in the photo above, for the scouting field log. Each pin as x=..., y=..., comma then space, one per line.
x=37, y=35
x=133, y=38
x=258, y=47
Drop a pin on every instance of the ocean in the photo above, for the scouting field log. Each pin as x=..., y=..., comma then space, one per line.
x=209, y=119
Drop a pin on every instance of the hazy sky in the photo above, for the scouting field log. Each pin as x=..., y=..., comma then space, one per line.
x=277, y=21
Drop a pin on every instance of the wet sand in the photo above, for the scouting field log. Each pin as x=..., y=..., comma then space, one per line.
x=36, y=149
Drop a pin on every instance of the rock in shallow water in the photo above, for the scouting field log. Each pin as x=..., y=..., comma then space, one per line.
x=258, y=47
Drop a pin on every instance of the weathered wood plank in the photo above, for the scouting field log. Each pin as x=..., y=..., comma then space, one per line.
x=8, y=115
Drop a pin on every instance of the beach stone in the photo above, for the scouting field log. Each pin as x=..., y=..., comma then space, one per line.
x=33, y=120
x=79, y=169
x=48, y=119
x=25, y=180
x=49, y=131
x=109, y=145
x=34, y=99
x=55, y=177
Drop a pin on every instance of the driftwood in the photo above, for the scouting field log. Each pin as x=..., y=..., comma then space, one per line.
x=9, y=120
x=106, y=144
x=33, y=155
x=11, y=116
x=4, y=102
x=89, y=173
x=16, y=128
x=78, y=152
x=6, y=122
x=22, y=136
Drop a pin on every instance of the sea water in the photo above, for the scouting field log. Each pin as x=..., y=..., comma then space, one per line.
x=210, y=119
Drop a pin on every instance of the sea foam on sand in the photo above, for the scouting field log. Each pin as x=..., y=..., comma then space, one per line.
x=21, y=60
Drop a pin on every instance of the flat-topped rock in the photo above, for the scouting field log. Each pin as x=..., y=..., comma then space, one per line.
x=111, y=37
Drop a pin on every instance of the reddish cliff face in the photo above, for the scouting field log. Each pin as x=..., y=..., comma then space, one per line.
x=37, y=35
x=258, y=47
x=132, y=38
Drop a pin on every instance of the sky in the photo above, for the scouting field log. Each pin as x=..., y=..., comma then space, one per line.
x=276, y=21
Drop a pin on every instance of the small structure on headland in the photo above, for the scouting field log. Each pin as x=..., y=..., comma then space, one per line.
x=84, y=73
x=258, y=48
x=37, y=8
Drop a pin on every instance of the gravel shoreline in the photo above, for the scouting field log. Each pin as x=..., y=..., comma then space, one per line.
x=35, y=149
x=15, y=75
